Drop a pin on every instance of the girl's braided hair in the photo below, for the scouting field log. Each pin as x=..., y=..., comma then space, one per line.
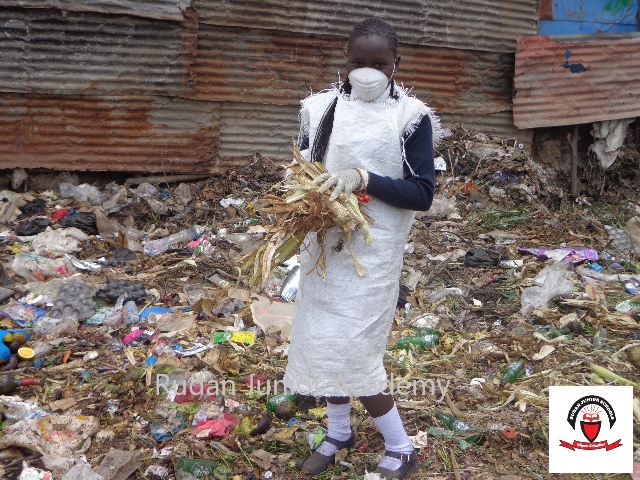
x=366, y=28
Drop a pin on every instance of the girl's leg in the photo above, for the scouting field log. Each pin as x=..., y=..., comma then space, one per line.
x=338, y=423
x=339, y=435
x=385, y=415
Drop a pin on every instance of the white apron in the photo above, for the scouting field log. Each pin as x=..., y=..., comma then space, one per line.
x=341, y=324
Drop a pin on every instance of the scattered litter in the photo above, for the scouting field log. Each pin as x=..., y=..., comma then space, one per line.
x=569, y=255
x=115, y=287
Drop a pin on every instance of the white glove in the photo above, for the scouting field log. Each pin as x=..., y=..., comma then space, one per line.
x=343, y=181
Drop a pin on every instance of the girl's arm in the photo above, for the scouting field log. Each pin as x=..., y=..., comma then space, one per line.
x=415, y=191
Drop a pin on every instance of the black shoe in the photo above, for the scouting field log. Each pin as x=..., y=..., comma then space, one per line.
x=318, y=463
x=409, y=466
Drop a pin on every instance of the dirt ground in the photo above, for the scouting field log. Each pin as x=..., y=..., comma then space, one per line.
x=493, y=198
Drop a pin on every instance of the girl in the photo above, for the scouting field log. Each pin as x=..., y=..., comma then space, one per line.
x=375, y=139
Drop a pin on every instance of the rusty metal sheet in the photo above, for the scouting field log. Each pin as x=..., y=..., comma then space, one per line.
x=489, y=25
x=158, y=9
x=575, y=79
x=149, y=134
x=156, y=134
x=268, y=130
x=247, y=129
x=55, y=52
x=275, y=67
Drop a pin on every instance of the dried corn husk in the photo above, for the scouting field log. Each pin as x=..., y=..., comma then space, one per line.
x=633, y=354
x=298, y=210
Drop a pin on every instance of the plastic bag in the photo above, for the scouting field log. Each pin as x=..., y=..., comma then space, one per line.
x=66, y=240
x=85, y=221
x=31, y=227
x=35, y=267
x=81, y=193
x=34, y=207
x=551, y=282
x=50, y=328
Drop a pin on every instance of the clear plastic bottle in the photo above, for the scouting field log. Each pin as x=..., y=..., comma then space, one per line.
x=157, y=247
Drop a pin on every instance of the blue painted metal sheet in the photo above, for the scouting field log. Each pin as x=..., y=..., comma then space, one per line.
x=560, y=27
x=591, y=16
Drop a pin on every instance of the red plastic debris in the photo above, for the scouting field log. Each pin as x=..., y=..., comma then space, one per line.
x=468, y=187
x=508, y=433
x=59, y=214
x=255, y=380
x=62, y=270
x=195, y=392
x=220, y=427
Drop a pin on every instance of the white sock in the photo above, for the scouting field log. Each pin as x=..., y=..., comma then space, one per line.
x=395, y=438
x=339, y=426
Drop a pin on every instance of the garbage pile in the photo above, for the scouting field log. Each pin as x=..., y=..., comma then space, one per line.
x=132, y=348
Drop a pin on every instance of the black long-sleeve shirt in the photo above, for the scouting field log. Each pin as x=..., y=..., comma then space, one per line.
x=415, y=191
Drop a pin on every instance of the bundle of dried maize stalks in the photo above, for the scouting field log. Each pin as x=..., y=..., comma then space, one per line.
x=299, y=210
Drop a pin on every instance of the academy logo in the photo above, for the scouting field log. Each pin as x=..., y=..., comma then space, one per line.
x=589, y=409
x=590, y=429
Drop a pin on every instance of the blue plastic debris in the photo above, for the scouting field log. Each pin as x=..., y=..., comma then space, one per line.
x=595, y=267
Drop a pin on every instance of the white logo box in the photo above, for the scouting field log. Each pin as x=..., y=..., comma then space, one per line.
x=611, y=451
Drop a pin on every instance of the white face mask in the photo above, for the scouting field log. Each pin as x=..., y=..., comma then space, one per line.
x=368, y=83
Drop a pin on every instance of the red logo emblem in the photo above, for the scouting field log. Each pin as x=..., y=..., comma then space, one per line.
x=590, y=425
x=590, y=407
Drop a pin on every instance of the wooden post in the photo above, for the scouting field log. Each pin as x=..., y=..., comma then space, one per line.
x=574, y=161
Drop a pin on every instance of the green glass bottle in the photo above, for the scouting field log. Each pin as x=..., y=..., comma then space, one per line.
x=275, y=400
x=427, y=338
x=452, y=423
x=457, y=425
x=195, y=468
x=428, y=331
x=513, y=372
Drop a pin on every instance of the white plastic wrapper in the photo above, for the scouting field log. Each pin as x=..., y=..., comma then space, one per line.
x=29, y=473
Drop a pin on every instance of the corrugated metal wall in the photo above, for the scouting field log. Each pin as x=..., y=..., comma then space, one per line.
x=588, y=16
x=577, y=79
x=159, y=85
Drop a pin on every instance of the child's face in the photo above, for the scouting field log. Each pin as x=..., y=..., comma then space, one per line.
x=371, y=52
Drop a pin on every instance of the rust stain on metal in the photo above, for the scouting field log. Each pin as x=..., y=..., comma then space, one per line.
x=247, y=129
x=274, y=67
x=546, y=9
x=123, y=85
x=88, y=133
x=576, y=79
x=157, y=9
x=489, y=25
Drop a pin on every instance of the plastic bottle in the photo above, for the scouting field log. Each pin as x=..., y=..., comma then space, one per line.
x=194, y=468
x=275, y=400
x=156, y=247
x=457, y=425
x=428, y=338
x=513, y=372
x=162, y=348
x=9, y=383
